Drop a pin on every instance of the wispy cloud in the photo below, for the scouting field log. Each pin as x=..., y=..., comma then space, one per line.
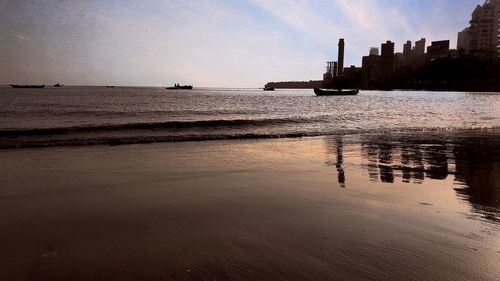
x=314, y=21
x=377, y=22
x=21, y=37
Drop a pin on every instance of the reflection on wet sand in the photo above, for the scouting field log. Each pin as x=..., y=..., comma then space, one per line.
x=478, y=177
x=474, y=162
x=336, y=147
x=250, y=210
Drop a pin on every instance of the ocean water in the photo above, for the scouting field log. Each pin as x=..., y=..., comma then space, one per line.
x=394, y=185
x=98, y=115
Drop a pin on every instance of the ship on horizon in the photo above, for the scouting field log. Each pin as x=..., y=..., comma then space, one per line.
x=335, y=92
x=179, y=87
x=27, y=86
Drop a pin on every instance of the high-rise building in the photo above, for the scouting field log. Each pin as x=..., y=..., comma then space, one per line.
x=387, y=60
x=482, y=37
x=420, y=48
x=463, y=44
x=438, y=49
x=371, y=71
x=352, y=71
x=407, y=50
x=373, y=51
x=340, y=69
x=418, y=54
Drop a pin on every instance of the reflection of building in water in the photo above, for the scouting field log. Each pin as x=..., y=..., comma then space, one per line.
x=370, y=152
x=379, y=161
x=475, y=163
x=387, y=160
x=436, y=157
x=385, y=163
x=412, y=162
x=340, y=163
x=336, y=147
x=478, y=171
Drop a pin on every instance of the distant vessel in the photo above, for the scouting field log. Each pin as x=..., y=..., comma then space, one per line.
x=28, y=86
x=57, y=85
x=268, y=89
x=110, y=86
x=179, y=87
x=332, y=92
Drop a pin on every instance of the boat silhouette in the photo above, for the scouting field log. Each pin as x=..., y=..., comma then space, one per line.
x=28, y=86
x=179, y=87
x=335, y=92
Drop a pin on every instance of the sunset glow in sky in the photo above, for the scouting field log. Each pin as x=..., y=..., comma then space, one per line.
x=218, y=43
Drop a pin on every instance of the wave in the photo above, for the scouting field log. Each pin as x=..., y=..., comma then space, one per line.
x=106, y=113
x=421, y=134
x=146, y=140
x=237, y=123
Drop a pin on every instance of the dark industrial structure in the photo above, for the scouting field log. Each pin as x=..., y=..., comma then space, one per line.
x=337, y=76
x=341, y=57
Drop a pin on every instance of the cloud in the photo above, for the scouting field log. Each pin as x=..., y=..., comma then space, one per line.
x=370, y=18
x=21, y=37
x=313, y=21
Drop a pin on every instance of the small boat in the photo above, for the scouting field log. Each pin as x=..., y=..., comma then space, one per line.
x=57, y=85
x=179, y=87
x=268, y=89
x=110, y=86
x=334, y=92
x=28, y=86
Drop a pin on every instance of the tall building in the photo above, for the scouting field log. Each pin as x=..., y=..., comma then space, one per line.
x=418, y=54
x=420, y=47
x=352, y=71
x=341, y=57
x=371, y=72
x=373, y=51
x=438, y=49
x=387, y=60
x=463, y=45
x=482, y=37
x=407, y=50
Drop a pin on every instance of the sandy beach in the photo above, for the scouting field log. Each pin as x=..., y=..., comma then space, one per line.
x=173, y=140
x=323, y=208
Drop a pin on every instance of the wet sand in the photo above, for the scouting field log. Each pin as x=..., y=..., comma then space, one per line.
x=326, y=208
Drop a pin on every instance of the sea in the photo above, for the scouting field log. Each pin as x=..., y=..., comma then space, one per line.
x=84, y=116
x=144, y=183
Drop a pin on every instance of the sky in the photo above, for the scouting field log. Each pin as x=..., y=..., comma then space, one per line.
x=207, y=43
